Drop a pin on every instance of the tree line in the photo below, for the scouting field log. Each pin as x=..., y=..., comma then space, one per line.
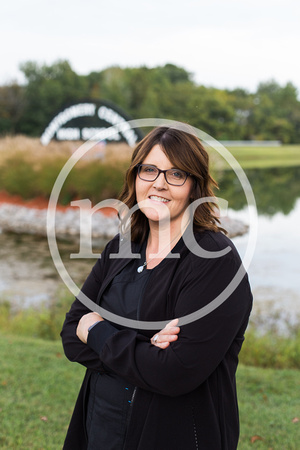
x=169, y=91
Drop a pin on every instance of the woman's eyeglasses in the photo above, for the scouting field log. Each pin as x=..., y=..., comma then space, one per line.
x=175, y=177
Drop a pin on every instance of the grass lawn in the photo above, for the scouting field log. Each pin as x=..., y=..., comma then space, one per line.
x=269, y=402
x=38, y=388
x=264, y=157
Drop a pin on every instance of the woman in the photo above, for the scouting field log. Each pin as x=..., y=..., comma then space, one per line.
x=175, y=387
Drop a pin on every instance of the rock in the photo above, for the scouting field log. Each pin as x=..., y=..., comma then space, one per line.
x=21, y=219
x=234, y=227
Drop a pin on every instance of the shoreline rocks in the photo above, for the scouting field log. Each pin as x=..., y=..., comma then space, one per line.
x=69, y=224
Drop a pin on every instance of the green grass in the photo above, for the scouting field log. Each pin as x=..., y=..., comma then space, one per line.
x=37, y=382
x=269, y=405
x=264, y=157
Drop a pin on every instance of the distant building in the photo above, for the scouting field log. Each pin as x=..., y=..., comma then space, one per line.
x=96, y=120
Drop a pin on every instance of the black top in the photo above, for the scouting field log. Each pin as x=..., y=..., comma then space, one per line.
x=185, y=395
x=110, y=395
x=124, y=293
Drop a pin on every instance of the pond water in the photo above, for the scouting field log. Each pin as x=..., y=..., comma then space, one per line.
x=28, y=276
x=274, y=271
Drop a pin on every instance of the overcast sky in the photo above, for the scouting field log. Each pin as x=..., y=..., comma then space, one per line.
x=223, y=43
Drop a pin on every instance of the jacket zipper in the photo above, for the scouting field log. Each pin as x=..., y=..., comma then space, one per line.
x=195, y=430
x=130, y=409
x=132, y=397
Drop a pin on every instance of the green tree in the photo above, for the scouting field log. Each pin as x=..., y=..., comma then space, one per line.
x=168, y=91
x=242, y=103
x=276, y=112
x=11, y=107
x=48, y=89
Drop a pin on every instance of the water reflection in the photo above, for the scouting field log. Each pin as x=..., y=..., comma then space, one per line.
x=274, y=270
x=275, y=189
x=28, y=275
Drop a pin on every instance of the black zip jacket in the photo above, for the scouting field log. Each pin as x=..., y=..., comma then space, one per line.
x=185, y=396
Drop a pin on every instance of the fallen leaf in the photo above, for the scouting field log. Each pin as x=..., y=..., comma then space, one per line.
x=58, y=355
x=296, y=419
x=4, y=383
x=44, y=418
x=256, y=438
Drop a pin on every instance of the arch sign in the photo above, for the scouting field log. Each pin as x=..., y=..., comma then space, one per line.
x=83, y=121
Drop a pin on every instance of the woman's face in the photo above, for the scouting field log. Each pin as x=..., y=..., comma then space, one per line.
x=158, y=199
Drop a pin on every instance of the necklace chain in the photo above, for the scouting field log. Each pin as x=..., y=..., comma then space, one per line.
x=141, y=268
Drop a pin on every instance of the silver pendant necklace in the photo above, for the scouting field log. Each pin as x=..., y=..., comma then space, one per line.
x=141, y=268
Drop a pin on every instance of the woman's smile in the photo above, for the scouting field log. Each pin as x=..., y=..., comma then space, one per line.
x=157, y=199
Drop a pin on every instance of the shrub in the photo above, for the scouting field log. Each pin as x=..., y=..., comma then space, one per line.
x=41, y=322
x=271, y=350
x=18, y=176
x=28, y=169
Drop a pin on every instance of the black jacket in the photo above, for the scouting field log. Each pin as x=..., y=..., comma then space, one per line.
x=186, y=394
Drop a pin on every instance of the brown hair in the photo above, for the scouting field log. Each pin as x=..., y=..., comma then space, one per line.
x=185, y=152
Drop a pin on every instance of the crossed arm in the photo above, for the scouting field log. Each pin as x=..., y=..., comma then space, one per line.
x=194, y=353
x=161, y=339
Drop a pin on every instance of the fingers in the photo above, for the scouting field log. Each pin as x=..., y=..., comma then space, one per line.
x=160, y=338
x=170, y=328
x=96, y=315
x=163, y=345
x=171, y=324
x=166, y=335
x=163, y=341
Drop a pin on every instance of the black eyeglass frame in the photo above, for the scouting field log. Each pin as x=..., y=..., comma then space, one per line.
x=139, y=166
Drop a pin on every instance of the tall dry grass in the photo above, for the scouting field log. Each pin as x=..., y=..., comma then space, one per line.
x=33, y=150
x=29, y=169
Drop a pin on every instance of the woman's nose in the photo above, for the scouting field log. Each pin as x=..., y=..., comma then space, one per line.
x=160, y=181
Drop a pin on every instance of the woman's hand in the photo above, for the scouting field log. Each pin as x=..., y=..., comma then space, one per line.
x=84, y=323
x=166, y=335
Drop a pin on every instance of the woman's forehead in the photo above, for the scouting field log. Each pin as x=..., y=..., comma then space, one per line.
x=157, y=156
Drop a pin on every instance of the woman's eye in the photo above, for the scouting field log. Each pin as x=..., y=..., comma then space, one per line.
x=149, y=169
x=177, y=174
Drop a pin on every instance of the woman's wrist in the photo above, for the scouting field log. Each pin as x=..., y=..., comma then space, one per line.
x=85, y=323
x=92, y=326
